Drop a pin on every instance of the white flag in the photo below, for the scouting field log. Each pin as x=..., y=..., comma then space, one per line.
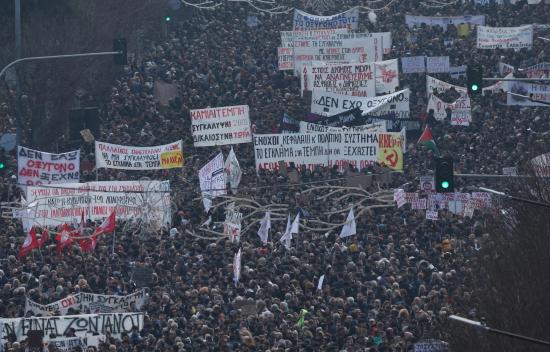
x=237, y=267
x=349, y=227
x=212, y=180
x=233, y=171
x=265, y=225
x=320, y=284
x=285, y=239
x=295, y=224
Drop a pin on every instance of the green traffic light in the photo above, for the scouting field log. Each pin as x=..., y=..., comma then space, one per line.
x=474, y=87
x=167, y=18
x=445, y=184
x=2, y=165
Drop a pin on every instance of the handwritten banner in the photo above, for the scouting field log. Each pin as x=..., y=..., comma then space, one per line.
x=221, y=126
x=114, y=156
x=305, y=21
x=504, y=37
x=39, y=168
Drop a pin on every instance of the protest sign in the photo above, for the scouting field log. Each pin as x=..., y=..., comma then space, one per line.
x=441, y=86
x=419, y=203
x=395, y=104
x=427, y=183
x=348, y=79
x=541, y=165
x=288, y=37
x=232, y=224
x=286, y=58
x=221, y=126
x=504, y=37
x=114, y=156
x=148, y=201
x=541, y=70
x=443, y=22
x=431, y=214
x=70, y=344
x=288, y=124
x=83, y=325
x=386, y=76
x=305, y=21
x=308, y=127
x=39, y=168
x=383, y=37
x=212, y=180
x=413, y=64
x=457, y=71
x=328, y=149
x=89, y=303
x=431, y=346
x=510, y=171
x=534, y=91
x=459, y=112
x=399, y=197
x=437, y=64
x=505, y=69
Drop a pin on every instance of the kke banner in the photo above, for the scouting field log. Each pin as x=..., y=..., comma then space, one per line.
x=412, y=21
x=39, y=168
x=221, y=126
x=144, y=200
x=212, y=180
x=504, y=37
x=89, y=303
x=113, y=156
x=329, y=149
x=395, y=104
x=83, y=325
x=308, y=127
x=305, y=21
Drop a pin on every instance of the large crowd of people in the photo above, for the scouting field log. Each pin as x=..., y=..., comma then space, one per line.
x=384, y=289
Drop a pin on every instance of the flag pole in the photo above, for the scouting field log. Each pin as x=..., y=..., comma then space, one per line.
x=114, y=233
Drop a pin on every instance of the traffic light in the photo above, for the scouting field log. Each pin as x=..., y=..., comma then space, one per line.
x=167, y=18
x=474, y=76
x=2, y=161
x=444, y=175
x=120, y=46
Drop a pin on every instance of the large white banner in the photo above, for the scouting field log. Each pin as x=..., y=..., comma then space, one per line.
x=83, y=325
x=328, y=149
x=220, y=126
x=305, y=21
x=412, y=21
x=395, y=104
x=504, y=37
x=212, y=180
x=308, y=127
x=441, y=86
x=349, y=79
x=387, y=76
x=288, y=37
x=114, y=156
x=437, y=64
x=39, y=168
x=89, y=303
x=71, y=344
x=146, y=201
x=540, y=92
x=459, y=112
x=413, y=64
x=384, y=37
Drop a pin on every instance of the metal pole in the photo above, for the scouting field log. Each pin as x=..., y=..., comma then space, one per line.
x=518, y=79
x=18, y=127
x=517, y=199
x=492, y=176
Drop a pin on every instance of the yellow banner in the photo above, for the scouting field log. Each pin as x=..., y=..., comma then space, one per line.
x=390, y=150
x=172, y=159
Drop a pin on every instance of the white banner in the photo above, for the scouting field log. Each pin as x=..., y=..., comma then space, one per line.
x=212, y=180
x=460, y=110
x=329, y=149
x=89, y=303
x=286, y=58
x=71, y=344
x=288, y=37
x=412, y=21
x=441, y=86
x=347, y=79
x=541, y=165
x=232, y=224
x=535, y=91
x=305, y=21
x=114, y=156
x=395, y=104
x=83, y=325
x=39, y=168
x=413, y=64
x=437, y=64
x=221, y=126
x=504, y=37
x=148, y=201
x=308, y=127
x=457, y=71
x=384, y=37
x=387, y=76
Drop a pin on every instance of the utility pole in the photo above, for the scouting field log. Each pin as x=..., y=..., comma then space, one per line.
x=18, y=117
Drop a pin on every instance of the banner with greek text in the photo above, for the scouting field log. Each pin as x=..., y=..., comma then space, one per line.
x=71, y=344
x=212, y=180
x=412, y=21
x=329, y=149
x=348, y=79
x=441, y=86
x=146, y=201
x=413, y=64
x=286, y=58
x=535, y=91
x=437, y=64
x=221, y=126
x=83, y=325
x=288, y=37
x=114, y=156
x=39, y=168
x=504, y=37
x=383, y=37
x=89, y=303
x=458, y=112
x=308, y=127
x=305, y=21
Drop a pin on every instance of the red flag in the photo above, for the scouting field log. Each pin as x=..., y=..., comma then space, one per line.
x=108, y=225
x=65, y=239
x=29, y=244
x=45, y=237
x=87, y=245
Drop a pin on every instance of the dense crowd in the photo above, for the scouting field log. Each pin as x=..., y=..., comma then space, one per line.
x=384, y=289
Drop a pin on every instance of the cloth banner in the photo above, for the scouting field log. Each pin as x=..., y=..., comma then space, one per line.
x=146, y=201
x=212, y=180
x=288, y=37
x=286, y=58
x=288, y=124
x=457, y=71
x=305, y=21
x=114, y=156
x=384, y=37
x=541, y=165
x=221, y=126
x=83, y=324
x=412, y=21
x=89, y=303
x=71, y=344
x=413, y=64
x=308, y=127
x=232, y=224
x=39, y=168
x=328, y=149
x=535, y=91
x=233, y=172
x=387, y=76
x=437, y=64
x=504, y=37
x=460, y=110
x=441, y=86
